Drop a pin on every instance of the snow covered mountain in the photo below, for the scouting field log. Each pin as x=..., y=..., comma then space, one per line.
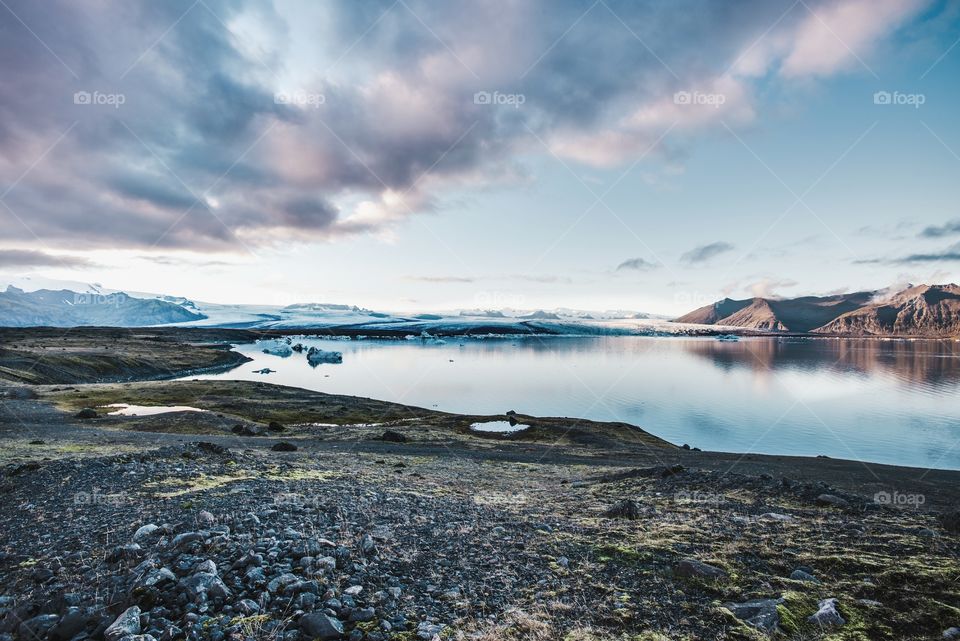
x=41, y=301
x=65, y=308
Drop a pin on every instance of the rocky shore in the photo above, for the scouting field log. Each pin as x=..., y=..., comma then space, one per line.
x=200, y=541
x=330, y=517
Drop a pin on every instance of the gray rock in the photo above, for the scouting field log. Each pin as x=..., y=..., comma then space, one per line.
x=145, y=532
x=828, y=615
x=156, y=578
x=759, y=613
x=627, y=509
x=36, y=628
x=126, y=624
x=207, y=567
x=367, y=545
x=186, y=538
x=247, y=607
x=255, y=576
x=318, y=625
x=206, y=519
x=280, y=583
x=776, y=516
x=72, y=623
x=951, y=634
x=802, y=575
x=832, y=500
x=201, y=586
x=698, y=569
x=363, y=615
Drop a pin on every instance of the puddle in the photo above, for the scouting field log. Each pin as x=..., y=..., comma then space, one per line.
x=499, y=427
x=122, y=409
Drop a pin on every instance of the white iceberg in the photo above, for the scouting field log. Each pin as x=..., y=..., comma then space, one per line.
x=276, y=348
x=315, y=356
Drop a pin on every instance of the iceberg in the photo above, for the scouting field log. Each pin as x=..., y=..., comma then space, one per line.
x=315, y=356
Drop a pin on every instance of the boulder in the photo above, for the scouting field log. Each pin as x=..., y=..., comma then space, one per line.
x=87, y=412
x=126, y=624
x=284, y=446
x=203, y=585
x=72, y=624
x=827, y=615
x=832, y=500
x=36, y=628
x=394, y=437
x=693, y=568
x=318, y=625
x=145, y=532
x=803, y=575
x=626, y=509
x=758, y=613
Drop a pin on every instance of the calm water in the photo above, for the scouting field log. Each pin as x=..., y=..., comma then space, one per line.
x=883, y=401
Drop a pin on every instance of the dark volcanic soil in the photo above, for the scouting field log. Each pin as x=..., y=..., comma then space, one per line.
x=176, y=527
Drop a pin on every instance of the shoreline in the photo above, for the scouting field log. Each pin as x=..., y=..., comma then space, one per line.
x=218, y=345
x=256, y=519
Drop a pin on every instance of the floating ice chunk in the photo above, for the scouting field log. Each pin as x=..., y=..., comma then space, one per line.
x=315, y=356
x=276, y=348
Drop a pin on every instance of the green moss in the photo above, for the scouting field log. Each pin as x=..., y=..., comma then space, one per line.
x=621, y=554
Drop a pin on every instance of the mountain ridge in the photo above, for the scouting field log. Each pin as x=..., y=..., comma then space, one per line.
x=66, y=308
x=918, y=310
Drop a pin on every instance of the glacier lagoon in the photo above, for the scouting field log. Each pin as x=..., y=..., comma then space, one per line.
x=884, y=401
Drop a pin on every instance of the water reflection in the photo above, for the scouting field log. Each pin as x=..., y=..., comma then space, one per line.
x=883, y=401
x=925, y=363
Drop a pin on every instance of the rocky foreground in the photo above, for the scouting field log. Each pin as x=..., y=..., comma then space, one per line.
x=200, y=541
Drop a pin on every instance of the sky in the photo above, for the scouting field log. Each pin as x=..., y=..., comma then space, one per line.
x=426, y=155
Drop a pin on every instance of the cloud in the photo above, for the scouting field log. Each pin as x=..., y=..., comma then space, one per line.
x=31, y=258
x=703, y=253
x=951, y=253
x=442, y=279
x=543, y=279
x=638, y=264
x=947, y=229
x=766, y=287
x=201, y=155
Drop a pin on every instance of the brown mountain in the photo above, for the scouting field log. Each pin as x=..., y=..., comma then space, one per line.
x=922, y=310
x=802, y=314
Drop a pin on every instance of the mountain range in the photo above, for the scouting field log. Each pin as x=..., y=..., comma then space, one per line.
x=918, y=310
x=66, y=308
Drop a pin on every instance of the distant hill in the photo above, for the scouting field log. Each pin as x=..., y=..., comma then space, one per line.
x=64, y=308
x=540, y=315
x=922, y=310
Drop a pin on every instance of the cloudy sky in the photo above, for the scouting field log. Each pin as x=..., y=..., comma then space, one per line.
x=419, y=154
